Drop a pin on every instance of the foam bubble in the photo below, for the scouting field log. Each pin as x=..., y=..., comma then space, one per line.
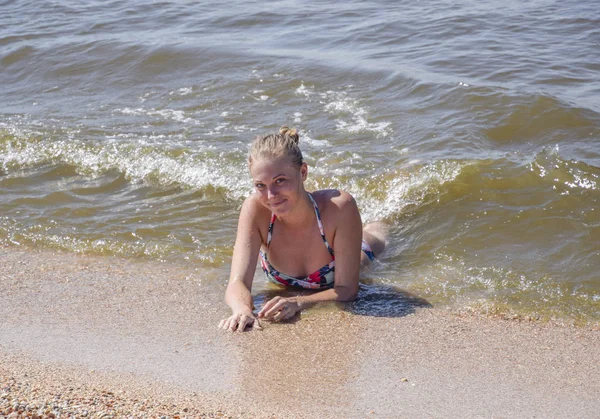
x=184, y=91
x=192, y=169
x=339, y=104
x=454, y=281
x=302, y=90
x=564, y=174
x=211, y=255
x=167, y=114
x=306, y=139
x=580, y=182
x=404, y=189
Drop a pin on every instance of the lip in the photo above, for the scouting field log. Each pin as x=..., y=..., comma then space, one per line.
x=277, y=204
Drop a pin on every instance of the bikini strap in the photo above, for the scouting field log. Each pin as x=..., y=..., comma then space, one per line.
x=270, y=233
x=320, y=223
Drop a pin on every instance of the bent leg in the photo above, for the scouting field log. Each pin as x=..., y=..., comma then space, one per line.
x=375, y=234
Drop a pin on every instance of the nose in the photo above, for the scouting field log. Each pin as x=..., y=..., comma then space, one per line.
x=271, y=192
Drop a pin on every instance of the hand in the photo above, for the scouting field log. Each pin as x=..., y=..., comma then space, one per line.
x=279, y=308
x=239, y=322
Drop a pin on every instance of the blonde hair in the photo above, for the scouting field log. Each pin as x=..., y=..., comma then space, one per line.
x=272, y=146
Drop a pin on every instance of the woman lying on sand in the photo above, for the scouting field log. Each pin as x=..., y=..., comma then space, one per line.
x=316, y=238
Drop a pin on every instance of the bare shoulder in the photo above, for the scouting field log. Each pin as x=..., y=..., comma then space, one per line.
x=340, y=215
x=252, y=205
x=335, y=202
x=254, y=217
x=253, y=211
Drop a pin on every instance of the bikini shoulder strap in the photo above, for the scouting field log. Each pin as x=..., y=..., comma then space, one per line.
x=320, y=223
x=270, y=233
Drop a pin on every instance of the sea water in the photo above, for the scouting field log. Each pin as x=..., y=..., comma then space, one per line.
x=472, y=129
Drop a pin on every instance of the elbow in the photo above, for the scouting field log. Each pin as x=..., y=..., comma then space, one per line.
x=347, y=294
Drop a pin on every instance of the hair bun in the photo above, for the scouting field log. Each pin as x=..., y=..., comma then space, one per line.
x=289, y=132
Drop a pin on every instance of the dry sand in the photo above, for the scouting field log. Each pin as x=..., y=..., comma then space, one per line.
x=106, y=337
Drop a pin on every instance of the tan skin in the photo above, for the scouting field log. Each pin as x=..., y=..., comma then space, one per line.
x=280, y=190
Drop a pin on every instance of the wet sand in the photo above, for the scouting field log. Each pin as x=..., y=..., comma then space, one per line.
x=106, y=337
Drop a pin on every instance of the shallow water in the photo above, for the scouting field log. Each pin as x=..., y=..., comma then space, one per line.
x=472, y=129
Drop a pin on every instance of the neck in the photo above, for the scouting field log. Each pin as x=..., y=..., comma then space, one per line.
x=301, y=214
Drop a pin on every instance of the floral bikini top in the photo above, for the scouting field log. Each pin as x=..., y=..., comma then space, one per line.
x=322, y=278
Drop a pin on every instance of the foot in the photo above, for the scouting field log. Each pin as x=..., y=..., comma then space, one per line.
x=376, y=234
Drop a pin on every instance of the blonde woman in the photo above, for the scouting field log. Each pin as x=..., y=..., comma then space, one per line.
x=311, y=240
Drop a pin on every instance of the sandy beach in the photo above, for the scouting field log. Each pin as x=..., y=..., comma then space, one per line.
x=85, y=336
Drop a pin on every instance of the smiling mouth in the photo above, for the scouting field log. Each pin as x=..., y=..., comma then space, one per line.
x=276, y=204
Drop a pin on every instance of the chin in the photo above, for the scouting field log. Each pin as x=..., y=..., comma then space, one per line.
x=280, y=208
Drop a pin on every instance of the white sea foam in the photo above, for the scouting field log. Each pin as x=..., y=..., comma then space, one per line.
x=243, y=128
x=387, y=194
x=303, y=90
x=580, y=181
x=184, y=91
x=351, y=116
x=570, y=174
x=362, y=125
x=145, y=97
x=218, y=130
x=138, y=163
x=404, y=189
x=306, y=139
x=167, y=114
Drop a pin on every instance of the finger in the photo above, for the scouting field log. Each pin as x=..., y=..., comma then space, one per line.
x=221, y=323
x=275, y=309
x=224, y=324
x=256, y=325
x=243, y=322
x=268, y=305
x=233, y=323
x=283, y=314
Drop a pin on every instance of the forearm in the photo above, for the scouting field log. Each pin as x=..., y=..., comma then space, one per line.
x=238, y=296
x=340, y=294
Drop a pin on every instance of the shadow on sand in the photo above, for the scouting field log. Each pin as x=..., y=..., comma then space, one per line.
x=380, y=300
x=375, y=300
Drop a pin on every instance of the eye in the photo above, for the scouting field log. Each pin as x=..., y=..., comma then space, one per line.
x=259, y=185
x=280, y=181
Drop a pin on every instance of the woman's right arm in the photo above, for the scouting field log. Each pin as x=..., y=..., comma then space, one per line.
x=243, y=266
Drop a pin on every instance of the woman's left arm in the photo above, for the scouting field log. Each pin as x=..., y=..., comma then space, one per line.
x=347, y=247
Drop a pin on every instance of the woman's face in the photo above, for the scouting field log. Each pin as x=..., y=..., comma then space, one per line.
x=278, y=183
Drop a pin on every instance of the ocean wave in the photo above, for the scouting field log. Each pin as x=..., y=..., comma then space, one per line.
x=166, y=114
x=542, y=117
x=384, y=194
x=351, y=116
x=16, y=234
x=17, y=54
x=396, y=192
x=502, y=290
x=206, y=169
x=566, y=176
